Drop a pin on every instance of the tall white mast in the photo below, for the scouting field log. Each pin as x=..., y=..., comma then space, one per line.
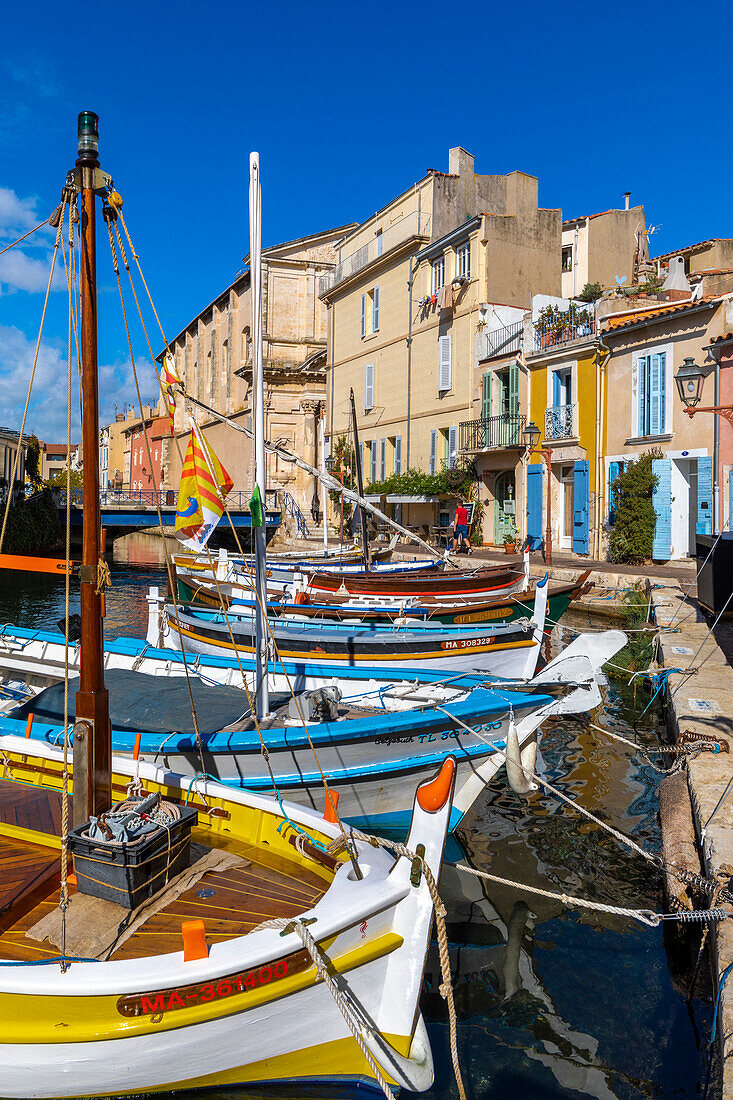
x=324, y=495
x=260, y=533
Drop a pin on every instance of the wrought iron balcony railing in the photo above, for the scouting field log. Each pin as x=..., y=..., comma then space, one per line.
x=559, y=422
x=504, y=430
x=556, y=331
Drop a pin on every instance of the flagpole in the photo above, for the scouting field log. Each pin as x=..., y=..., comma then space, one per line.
x=259, y=533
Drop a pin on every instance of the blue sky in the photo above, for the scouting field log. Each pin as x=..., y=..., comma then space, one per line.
x=348, y=105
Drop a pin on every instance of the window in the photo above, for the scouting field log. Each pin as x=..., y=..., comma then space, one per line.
x=370, y=305
x=437, y=276
x=445, y=363
x=382, y=459
x=452, y=448
x=651, y=371
x=433, y=450
x=373, y=461
x=375, y=309
x=368, y=387
x=379, y=242
x=463, y=261
x=398, y=454
x=567, y=258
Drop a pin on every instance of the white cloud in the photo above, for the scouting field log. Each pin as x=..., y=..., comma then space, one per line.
x=47, y=410
x=21, y=272
x=16, y=215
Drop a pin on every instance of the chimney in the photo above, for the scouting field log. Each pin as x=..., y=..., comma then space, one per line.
x=460, y=163
x=627, y=200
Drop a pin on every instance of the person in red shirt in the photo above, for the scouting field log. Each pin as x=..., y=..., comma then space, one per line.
x=460, y=529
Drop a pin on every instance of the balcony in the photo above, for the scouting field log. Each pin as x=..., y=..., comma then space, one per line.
x=414, y=225
x=562, y=327
x=504, y=340
x=560, y=423
x=504, y=430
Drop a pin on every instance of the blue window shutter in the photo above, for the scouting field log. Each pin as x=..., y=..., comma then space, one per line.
x=614, y=469
x=556, y=389
x=398, y=454
x=534, y=505
x=642, y=366
x=433, y=450
x=452, y=447
x=662, y=390
x=581, y=505
x=656, y=411
x=662, y=502
x=704, y=525
x=363, y=316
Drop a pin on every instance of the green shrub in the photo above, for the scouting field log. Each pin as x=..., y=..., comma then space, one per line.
x=591, y=292
x=33, y=526
x=632, y=536
x=637, y=653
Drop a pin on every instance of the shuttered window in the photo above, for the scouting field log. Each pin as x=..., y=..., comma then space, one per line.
x=375, y=309
x=433, y=450
x=437, y=275
x=486, y=396
x=463, y=261
x=363, y=316
x=398, y=454
x=373, y=461
x=445, y=362
x=452, y=447
x=380, y=242
x=652, y=393
x=382, y=459
x=368, y=386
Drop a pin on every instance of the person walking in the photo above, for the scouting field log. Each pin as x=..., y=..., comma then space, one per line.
x=460, y=529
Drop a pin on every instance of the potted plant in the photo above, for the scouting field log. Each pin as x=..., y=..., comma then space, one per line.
x=510, y=539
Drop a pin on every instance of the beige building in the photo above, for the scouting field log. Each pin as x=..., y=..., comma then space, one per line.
x=713, y=257
x=8, y=447
x=606, y=248
x=213, y=357
x=409, y=295
x=54, y=460
x=111, y=453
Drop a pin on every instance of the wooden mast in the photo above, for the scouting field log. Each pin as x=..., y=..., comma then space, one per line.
x=92, y=751
x=360, y=483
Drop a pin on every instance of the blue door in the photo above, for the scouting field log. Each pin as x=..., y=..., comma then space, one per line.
x=704, y=525
x=662, y=501
x=581, y=506
x=534, y=506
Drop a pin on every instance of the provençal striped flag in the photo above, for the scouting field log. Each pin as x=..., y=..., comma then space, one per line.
x=170, y=382
x=204, y=484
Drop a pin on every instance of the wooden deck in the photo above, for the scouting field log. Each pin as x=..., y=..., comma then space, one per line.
x=241, y=898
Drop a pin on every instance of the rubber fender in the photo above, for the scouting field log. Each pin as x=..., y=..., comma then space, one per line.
x=516, y=761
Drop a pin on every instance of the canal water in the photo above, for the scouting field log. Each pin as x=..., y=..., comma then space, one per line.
x=551, y=1002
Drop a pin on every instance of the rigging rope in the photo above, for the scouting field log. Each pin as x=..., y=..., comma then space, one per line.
x=46, y=221
x=16, y=454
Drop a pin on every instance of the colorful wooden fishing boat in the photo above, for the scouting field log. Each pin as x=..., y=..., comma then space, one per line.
x=325, y=606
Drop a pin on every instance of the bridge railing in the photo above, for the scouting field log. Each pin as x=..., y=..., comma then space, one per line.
x=236, y=501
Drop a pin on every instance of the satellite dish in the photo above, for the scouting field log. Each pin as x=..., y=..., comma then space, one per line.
x=620, y=279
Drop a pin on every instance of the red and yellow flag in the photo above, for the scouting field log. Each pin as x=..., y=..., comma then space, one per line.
x=204, y=484
x=171, y=383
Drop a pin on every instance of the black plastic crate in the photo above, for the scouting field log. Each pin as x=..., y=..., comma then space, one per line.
x=130, y=873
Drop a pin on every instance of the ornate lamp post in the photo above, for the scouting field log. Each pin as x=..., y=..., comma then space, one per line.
x=690, y=380
x=531, y=435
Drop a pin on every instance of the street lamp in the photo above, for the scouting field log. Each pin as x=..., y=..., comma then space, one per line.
x=690, y=379
x=531, y=435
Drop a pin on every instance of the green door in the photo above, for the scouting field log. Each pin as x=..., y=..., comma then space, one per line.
x=504, y=505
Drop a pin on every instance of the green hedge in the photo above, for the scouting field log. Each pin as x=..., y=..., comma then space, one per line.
x=33, y=526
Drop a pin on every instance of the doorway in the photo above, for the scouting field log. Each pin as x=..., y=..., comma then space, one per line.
x=567, y=486
x=683, y=485
x=505, y=505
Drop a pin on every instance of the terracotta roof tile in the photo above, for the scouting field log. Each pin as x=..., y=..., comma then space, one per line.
x=724, y=339
x=616, y=321
x=689, y=248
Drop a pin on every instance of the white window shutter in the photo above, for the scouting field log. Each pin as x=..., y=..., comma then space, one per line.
x=363, y=316
x=433, y=450
x=375, y=310
x=382, y=459
x=445, y=362
x=368, y=386
x=398, y=454
x=373, y=462
x=452, y=447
